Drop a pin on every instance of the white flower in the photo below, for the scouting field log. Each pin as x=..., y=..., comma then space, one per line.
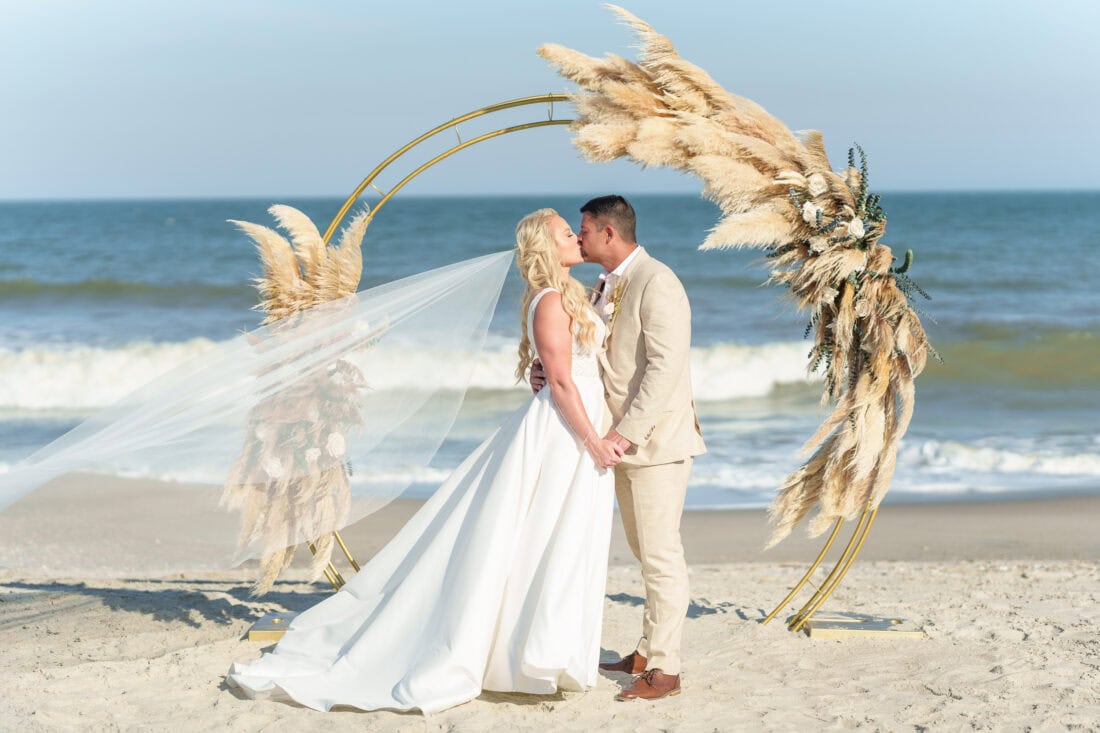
x=312, y=455
x=272, y=467
x=816, y=184
x=809, y=213
x=819, y=244
x=608, y=308
x=855, y=228
x=829, y=294
x=336, y=446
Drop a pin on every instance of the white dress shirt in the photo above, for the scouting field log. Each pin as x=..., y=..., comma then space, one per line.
x=608, y=282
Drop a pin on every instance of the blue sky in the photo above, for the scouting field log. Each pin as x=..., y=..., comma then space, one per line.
x=247, y=98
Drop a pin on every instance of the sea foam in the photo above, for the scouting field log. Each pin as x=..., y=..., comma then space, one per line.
x=84, y=378
x=952, y=456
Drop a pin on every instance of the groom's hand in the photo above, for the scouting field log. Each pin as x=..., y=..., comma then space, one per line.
x=623, y=444
x=538, y=376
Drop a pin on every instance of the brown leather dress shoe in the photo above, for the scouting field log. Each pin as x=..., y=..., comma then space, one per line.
x=652, y=684
x=633, y=663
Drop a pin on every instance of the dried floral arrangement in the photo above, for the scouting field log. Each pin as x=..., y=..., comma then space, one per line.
x=821, y=229
x=292, y=473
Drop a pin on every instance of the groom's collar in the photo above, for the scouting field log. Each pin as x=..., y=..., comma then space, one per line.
x=619, y=271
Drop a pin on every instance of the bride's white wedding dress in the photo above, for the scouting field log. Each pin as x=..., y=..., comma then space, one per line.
x=497, y=583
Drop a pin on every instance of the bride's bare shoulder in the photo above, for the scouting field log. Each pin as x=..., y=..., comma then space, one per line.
x=547, y=295
x=548, y=305
x=549, y=313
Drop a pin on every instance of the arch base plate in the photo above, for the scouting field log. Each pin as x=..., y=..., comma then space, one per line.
x=847, y=625
x=270, y=627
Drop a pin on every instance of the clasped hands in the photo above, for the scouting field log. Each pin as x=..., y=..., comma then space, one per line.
x=607, y=451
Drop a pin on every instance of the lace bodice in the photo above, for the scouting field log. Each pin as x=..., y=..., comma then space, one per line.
x=585, y=363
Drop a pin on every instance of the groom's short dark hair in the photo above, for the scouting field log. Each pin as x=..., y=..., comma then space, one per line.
x=615, y=210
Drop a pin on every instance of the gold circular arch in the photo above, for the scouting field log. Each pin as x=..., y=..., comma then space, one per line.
x=795, y=622
x=547, y=99
x=333, y=575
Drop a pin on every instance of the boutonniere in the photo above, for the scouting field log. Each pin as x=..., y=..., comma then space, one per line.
x=611, y=303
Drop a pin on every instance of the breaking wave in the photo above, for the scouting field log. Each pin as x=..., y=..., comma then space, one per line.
x=88, y=377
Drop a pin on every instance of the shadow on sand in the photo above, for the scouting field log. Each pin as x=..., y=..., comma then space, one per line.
x=698, y=607
x=190, y=602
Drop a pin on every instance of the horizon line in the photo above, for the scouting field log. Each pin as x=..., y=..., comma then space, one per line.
x=635, y=194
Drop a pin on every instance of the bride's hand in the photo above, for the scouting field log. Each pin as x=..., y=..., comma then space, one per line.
x=604, y=452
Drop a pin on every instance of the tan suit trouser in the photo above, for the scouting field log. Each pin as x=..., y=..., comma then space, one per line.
x=651, y=501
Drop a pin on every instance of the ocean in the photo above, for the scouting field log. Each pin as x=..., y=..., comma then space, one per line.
x=96, y=298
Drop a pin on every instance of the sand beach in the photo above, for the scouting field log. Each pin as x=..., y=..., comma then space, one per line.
x=1006, y=594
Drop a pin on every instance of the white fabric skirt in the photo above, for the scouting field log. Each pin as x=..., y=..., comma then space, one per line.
x=497, y=583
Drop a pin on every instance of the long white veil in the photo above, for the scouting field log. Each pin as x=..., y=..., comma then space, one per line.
x=269, y=440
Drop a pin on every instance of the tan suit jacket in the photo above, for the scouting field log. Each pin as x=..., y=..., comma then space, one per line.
x=647, y=366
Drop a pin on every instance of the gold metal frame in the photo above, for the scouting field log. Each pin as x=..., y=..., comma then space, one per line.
x=799, y=620
x=331, y=573
x=822, y=593
x=805, y=578
x=547, y=99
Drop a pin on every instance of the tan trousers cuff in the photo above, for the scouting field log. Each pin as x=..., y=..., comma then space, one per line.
x=668, y=665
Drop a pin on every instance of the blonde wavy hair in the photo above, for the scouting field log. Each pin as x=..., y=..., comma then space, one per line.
x=540, y=265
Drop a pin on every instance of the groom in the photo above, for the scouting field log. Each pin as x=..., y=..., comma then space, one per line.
x=647, y=384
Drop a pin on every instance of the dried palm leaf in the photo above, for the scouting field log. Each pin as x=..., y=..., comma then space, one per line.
x=290, y=480
x=776, y=190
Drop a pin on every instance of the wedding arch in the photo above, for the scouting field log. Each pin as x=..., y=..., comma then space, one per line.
x=332, y=574
x=820, y=229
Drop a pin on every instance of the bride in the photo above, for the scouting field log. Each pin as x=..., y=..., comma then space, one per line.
x=497, y=582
